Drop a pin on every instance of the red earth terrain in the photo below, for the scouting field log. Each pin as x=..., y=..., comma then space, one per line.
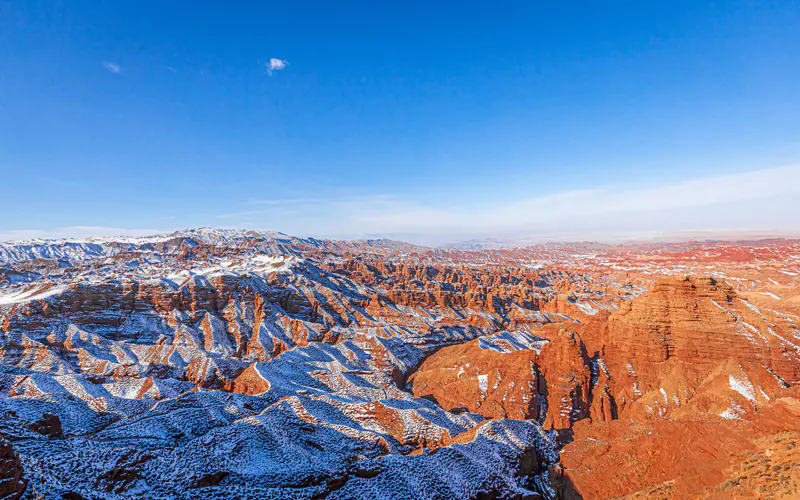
x=231, y=364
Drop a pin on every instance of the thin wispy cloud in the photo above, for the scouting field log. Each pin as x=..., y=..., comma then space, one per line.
x=767, y=198
x=112, y=67
x=274, y=64
x=321, y=199
x=287, y=201
x=243, y=214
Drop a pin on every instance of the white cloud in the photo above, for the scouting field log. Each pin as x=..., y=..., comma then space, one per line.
x=759, y=199
x=112, y=67
x=275, y=64
x=767, y=200
x=700, y=192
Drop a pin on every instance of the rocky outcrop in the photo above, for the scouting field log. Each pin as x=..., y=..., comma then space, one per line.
x=687, y=458
x=511, y=375
x=49, y=425
x=690, y=337
x=12, y=484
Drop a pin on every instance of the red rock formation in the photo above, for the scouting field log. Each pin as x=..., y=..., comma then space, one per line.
x=661, y=348
x=552, y=386
x=250, y=382
x=669, y=459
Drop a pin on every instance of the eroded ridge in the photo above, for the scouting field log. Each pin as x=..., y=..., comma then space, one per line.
x=253, y=364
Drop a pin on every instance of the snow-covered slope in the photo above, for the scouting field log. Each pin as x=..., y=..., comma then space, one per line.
x=237, y=364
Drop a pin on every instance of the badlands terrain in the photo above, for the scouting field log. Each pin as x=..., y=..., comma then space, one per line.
x=238, y=364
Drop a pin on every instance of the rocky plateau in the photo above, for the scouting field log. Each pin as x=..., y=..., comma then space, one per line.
x=213, y=363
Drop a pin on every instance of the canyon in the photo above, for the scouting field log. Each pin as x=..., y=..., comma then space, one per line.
x=212, y=363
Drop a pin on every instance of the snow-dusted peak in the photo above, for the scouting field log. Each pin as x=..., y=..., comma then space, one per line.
x=75, y=250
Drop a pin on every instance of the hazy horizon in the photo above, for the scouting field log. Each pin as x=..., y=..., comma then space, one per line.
x=79, y=233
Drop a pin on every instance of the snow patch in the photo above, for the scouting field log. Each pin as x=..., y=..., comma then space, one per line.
x=743, y=387
x=483, y=384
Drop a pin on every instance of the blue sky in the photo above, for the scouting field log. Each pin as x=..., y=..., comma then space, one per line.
x=429, y=121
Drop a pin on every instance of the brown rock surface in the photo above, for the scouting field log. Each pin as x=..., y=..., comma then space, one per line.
x=48, y=425
x=12, y=484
